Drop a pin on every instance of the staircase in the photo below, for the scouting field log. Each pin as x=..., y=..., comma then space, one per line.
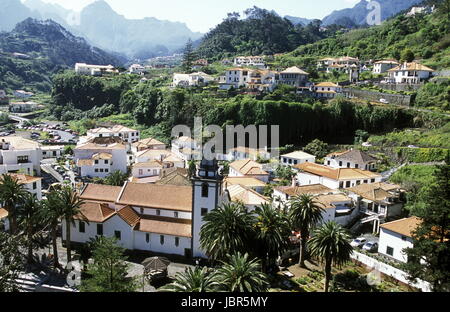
x=28, y=282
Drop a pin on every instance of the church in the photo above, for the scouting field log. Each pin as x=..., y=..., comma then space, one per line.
x=149, y=217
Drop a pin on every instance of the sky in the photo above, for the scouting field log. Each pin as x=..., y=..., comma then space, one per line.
x=201, y=15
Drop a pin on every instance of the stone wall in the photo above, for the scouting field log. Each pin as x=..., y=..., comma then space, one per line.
x=395, y=99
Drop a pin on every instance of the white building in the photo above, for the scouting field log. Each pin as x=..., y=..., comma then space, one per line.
x=248, y=168
x=23, y=107
x=282, y=194
x=148, y=169
x=383, y=66
x=246, y=196
x=19, y=155
x=126, y=134
x=165, y=156
x=396, y=236
x=310, y=173
x=294, y=76
x=242, y=152
x=190, y=80
x=94, y=70
x=409, y=73
x=351, y=159
x=142, y=216
x=52, y=151
x=378, y=202
x=256, y=61
x=136, y=69
x=327, y=90
x=100, y=160
x=185, y=148
x=146, y=144
x=23, y=94
x=296, y=158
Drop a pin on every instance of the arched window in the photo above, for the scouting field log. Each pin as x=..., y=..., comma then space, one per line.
x=205, y=190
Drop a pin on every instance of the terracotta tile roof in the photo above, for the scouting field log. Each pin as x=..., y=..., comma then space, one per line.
x=94, y=146
x=411, y=66
x=152, y=179
x=3, y=213
x=248, y=167
x=102, y=156
x=23, y=178
x=387, y=62
x=294, y=70
x=245, y=181
x=153, y=153
x=165, y=226
x=403, y=226
x=374, y=191
x=353, y=155
x=328, y=201
x=120, y=128
x=298, y=155
x=246, y=195
x=177, y=177
x=314, y=189
x=149, y=164
x=327, y=84
x=336, y=174
x=19, y=143
x=95, y=212
x=85, y=162
x=250, y=151
x=170, y=197
x=147, y=143
x=100, y=192
x=129, y=215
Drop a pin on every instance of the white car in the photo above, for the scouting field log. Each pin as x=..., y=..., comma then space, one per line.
x=384, y=101
x=358, y=242
x=370, y=246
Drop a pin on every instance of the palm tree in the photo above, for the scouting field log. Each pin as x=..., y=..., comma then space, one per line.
x=304, y=214
x=240, y=274
x=29, y=220
x=330, y=244
x=227, y=229
x=272, y=233
x=12, y=193
x=52, y=213
x=116, y=178
x=193, y=280
x=71, y=206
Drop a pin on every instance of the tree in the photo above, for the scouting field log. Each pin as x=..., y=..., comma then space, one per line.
x=12, y=193
x=285, y=173
x=108, y=272
x=317, y=148
x=192, y=168
x=407, y=56
x=188, y=56
x=51, y=214
x=430, y=256
x=272, y=234
x=227, y=229
x=193, y=280
x=11, y=261
x=70, y=206
x=304, y=214
x=29, y=217
x=240, y=274
x=330, y=244
x=116, y=178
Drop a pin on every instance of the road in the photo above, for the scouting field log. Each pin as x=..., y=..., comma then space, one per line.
x=49, y=169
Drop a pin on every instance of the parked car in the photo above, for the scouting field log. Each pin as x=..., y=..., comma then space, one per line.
x=358, y=242
x=370, y=246
x=384, y=101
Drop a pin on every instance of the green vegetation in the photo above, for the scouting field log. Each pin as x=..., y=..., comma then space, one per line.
x=434, y=94
x=429, y=257
x=108, y=272
x=420, y=36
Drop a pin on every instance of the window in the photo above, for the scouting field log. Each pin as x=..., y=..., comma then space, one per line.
x=147, y=237
x=296, y=162
x=117, y=234
x=347, y=184
x=341, y=184
x=205, y=190
x=161, y=239
x=340, y=163
x=100, y=229
x=96, y=161
x=390, y=251
x=158, y=212
x=22, y=159
x=106, y=170
x=175, y=214
x=82, y=227
x=365, y=181
x=101, y=170
x=177, y=241
x=106, y=161
x=348, y=165
x=34, y=185
x=204, y=211
x=96, y=170
x=356, y=166
x=372, y=180
x=328, y=162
